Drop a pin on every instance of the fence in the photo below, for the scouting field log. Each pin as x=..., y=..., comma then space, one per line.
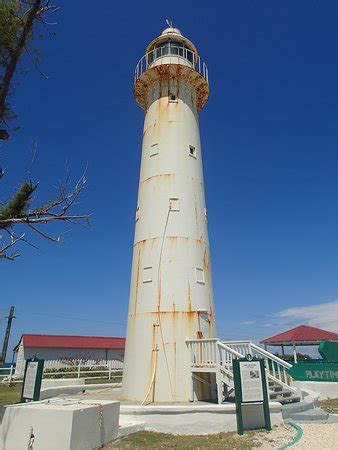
x=61, y=363
x=89, y=369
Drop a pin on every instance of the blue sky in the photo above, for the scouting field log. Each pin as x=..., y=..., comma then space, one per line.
x=269, y=142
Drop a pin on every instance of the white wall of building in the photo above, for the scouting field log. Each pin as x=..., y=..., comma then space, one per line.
x=65, y=354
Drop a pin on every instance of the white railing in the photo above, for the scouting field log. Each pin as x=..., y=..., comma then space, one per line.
x=87, y=371
x=203, y=353
x=171, y=55
x=6, y=373
x=211, y=353
x=79, y=369
x=276, y=368
x=64, y=363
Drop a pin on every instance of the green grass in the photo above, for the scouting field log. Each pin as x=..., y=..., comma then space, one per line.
x=104, y=380
x=146, y=439
x=330, y=405
x=10, y=394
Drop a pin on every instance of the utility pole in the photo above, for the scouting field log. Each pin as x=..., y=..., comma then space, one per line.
x=6, y=337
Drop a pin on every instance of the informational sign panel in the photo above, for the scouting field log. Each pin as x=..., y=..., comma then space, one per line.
x=251, y=381
x=250, y=388
x=32, y=380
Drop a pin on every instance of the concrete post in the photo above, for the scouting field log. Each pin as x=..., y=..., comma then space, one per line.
x=11, y=374
x=294, y=353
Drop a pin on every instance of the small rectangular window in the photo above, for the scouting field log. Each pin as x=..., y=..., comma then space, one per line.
x=173, y=98
x=206, y=215
x=147, y=274
x=153, y=150
x=137, y=215
x=174, y=204
x=199, y=272
x=192, y=151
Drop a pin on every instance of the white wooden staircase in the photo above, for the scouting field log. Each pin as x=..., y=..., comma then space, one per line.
x=214, y=356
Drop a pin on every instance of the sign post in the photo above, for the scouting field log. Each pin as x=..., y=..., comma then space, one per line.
x=32, y=380
x=250, y=387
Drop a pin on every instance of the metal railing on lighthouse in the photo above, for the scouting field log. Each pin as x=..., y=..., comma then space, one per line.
x=171, y=54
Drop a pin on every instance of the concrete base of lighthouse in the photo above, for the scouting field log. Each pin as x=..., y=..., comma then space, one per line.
x=197, y=418
x=176, y=418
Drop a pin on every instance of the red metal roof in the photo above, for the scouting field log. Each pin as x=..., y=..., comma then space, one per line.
x=64, y=341
x=303, y=333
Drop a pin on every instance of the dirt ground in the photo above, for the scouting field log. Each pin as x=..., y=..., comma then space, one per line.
x=318, y=436
x=278, y=437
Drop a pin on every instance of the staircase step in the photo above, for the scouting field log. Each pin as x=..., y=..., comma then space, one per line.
x=289, y=409
x=286, y=400
x=277, y=388
x=311, y=415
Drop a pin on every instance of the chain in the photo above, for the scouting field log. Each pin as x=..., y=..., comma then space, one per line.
x=100, y=405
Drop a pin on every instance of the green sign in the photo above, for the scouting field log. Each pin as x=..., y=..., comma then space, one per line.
x=314, y=371
x=32, y=380
x=250, y=388
x=329, y=351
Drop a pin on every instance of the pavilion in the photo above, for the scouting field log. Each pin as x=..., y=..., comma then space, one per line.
x=302, y=335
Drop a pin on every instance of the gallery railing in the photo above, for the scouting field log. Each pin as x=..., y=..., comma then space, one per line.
x=171, y=54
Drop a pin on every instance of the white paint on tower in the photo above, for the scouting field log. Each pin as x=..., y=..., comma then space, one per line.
x=171, y=296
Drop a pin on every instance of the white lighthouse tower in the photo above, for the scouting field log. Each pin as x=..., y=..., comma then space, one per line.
x=171, y=295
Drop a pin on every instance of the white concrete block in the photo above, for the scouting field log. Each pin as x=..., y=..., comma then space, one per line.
x=56, y=391
x=60, y=424
x=48, y=383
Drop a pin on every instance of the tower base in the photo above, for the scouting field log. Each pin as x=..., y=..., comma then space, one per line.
x=197, y=418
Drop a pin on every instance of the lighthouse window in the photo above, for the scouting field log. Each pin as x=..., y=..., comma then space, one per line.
x=147, y=274
x=192, y=151
x=171, y=47
x=172, y=98
x=153, y=149
x=199, y=272
x=174, y=204
x=137, y=215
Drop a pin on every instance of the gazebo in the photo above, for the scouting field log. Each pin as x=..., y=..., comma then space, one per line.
x=300, y=336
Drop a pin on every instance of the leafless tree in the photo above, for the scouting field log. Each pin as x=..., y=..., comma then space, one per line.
x=33, y=219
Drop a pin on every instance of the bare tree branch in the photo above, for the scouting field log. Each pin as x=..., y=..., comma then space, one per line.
x=56, y=210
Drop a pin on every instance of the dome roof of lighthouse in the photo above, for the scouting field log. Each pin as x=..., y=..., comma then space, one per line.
x=172, y=33
x=171, y=30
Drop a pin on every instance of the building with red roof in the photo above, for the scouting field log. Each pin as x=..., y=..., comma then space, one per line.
x=300, y=336
x=62, y=350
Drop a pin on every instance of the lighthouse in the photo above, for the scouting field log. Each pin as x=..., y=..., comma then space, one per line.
x=171, y=294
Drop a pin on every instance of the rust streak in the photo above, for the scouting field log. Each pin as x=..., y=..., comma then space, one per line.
x=163, y=176
x=144, y=241
x=189, y=297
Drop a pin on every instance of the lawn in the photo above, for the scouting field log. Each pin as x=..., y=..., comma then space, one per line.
x=330, y=405
x=116, y=378
x=10, y=394
x=146, y=439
